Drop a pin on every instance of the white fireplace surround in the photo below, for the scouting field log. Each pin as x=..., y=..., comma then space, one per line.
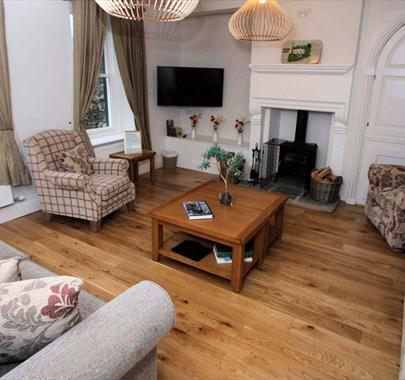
x=260, y=125
x=319, y=88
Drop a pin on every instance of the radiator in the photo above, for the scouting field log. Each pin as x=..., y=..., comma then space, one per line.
x=6, y=196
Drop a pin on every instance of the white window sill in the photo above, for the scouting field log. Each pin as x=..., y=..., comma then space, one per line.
x=105, y=140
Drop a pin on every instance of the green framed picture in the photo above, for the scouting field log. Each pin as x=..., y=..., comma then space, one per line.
x=302, y=51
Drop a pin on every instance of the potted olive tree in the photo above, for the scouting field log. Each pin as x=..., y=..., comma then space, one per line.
x=229, y=164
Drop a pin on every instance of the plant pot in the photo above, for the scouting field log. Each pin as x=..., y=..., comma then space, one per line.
x=225, y=198
x=193, y=133
x=240, y=139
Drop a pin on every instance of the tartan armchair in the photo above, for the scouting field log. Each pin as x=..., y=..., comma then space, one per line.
x=88, y=197
x=385, y=206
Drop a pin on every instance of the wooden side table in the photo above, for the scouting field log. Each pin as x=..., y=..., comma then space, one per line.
x=135, y=159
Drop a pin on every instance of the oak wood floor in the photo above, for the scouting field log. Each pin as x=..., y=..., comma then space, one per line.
x=326, y=304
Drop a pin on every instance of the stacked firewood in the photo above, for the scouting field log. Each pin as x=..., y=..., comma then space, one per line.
x=325, y=175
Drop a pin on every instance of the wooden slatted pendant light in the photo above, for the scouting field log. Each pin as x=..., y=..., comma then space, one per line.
x=260, y=20
x=158, y=10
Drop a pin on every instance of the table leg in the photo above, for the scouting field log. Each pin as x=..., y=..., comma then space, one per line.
x=131, y=172
x=152, y=169
x=136, y=171
x=260, y=246
x=157, y=239
x=238, y=257
x=280, y=223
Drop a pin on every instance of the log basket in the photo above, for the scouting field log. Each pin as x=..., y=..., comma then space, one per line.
x=325, y=191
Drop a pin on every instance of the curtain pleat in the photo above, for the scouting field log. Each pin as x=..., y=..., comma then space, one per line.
x=129, y=42
x=12, y=168
x=89, y=30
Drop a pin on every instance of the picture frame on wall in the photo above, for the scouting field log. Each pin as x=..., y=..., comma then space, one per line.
x=132, y=142
x=301, y=52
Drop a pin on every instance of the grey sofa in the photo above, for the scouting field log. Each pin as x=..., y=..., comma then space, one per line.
x=115, y=340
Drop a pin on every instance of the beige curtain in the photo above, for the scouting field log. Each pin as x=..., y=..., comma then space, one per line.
x=89, y=29
x=129, y=42
x=12, y=169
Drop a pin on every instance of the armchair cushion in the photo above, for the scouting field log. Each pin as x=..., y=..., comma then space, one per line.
x=386, y=198
x=74, y=160
x=109, y=167
x=108, y=186
x=383, y=176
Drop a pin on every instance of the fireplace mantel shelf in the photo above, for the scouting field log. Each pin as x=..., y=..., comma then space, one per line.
x=301, y=68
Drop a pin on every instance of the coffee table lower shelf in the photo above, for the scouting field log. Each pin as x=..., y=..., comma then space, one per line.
x=207, y=264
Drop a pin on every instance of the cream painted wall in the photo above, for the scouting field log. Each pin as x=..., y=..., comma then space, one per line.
x=40, y=57
x=216, y=6
x=335, y=22
x=206, y=42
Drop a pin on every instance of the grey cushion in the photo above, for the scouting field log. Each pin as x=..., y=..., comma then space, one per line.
x=31, y=270
x=7, y=251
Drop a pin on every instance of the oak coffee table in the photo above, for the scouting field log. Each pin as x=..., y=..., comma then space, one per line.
x=256, y=214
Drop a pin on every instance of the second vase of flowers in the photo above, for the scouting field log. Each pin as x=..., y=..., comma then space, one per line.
x=216, y=122
x=240, y=125
x=194, y=119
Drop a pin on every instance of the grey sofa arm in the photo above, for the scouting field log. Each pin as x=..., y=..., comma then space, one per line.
x=107, y=344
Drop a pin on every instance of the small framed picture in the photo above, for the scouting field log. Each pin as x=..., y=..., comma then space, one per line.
x=132, y=142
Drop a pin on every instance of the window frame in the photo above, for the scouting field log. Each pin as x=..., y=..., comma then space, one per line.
x=115, y=98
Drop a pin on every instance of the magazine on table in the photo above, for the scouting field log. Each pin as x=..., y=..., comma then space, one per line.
x=198, y=210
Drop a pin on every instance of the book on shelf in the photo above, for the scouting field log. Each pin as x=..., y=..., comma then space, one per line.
x=192, y=249
x=198, y=210
x=223, y=253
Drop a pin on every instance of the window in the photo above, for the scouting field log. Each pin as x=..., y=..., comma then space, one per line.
x=109, y=113
x=98, y=116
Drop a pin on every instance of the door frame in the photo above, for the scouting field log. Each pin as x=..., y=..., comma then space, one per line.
x=358, y=118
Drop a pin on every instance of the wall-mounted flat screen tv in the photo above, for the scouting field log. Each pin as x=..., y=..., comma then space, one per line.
x=190, y=86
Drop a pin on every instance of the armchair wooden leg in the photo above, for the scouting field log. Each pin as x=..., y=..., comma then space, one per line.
x=95, y=226
x=48, y=216
x=131, y=206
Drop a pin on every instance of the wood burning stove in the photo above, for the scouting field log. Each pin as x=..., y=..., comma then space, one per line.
x=297, y=158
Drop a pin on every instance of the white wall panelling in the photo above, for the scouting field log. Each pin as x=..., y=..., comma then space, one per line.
x=381, y=20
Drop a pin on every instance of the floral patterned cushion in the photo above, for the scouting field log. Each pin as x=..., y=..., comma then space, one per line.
x=10, y=270
x=35, y=312
x=75, y=160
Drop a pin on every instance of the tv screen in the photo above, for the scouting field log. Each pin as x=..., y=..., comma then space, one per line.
x=190, y=86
